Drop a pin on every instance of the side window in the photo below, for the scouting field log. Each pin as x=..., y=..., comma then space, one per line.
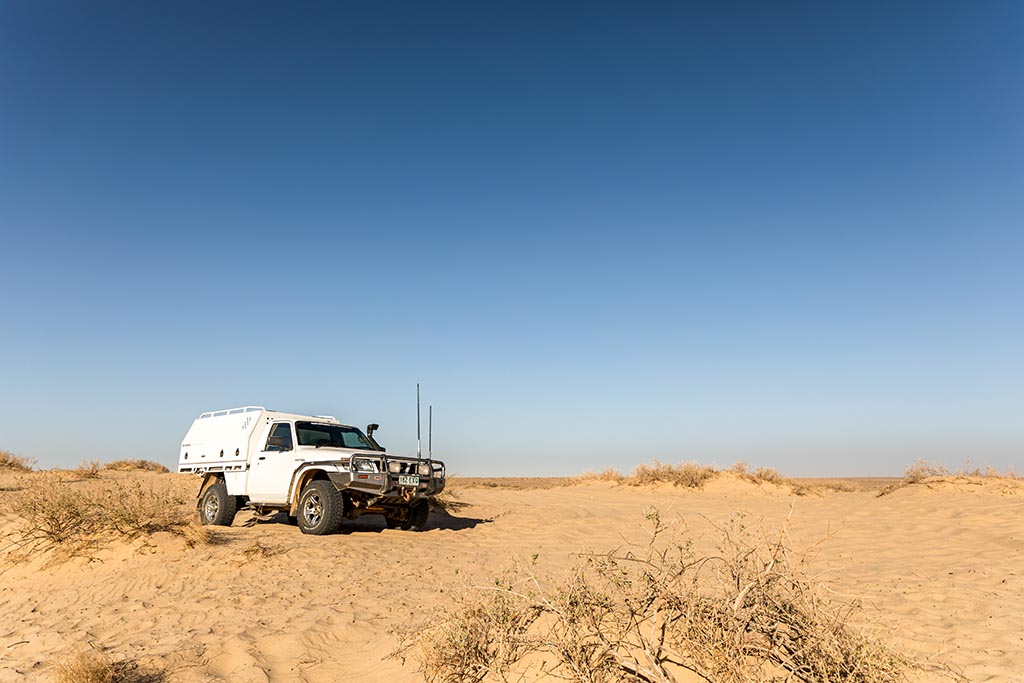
x=280, y=438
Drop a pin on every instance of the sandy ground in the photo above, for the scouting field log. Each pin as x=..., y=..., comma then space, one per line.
x=940, y=571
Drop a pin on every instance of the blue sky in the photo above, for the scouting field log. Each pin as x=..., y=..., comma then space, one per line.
x=597, y=234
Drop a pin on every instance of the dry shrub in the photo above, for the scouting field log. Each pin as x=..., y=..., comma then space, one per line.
x=258, y=550
x=67, y=521
x=767, y=474
x=695, y=475
x=89, y=469
x=136, y=465
x=922, y=471
x=689, y=474
x=800, y=488
x=480, y=633
x=761, y=475
x=86, y=667
x=446, y=502
x=746, y=614
x=95, y=667
x=132, y=510
x=195, y=534
x=738, y=467
x=56, y=517
x=607, y=474
x=18, y=463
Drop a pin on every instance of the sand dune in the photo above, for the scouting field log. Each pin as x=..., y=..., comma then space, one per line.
x=938, y=568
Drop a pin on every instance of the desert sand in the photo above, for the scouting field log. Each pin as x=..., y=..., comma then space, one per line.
x=938, y=567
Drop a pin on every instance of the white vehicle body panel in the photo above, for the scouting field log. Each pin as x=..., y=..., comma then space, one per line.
x=234, y=443
x=221, y=439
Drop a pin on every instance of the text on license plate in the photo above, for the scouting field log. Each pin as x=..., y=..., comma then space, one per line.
x=408, y=480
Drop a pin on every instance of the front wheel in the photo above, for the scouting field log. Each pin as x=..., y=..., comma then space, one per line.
x=321, y=507
x=416, y=520
x=216, y=507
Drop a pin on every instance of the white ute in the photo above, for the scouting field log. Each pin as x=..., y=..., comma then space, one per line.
x=312, y=467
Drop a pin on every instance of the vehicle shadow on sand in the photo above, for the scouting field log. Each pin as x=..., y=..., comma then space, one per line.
x=375, y=523
x=438, y=520
x=446, y=520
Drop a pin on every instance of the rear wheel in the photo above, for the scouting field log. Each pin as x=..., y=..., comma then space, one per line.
x=321, y=507
x=216, y=507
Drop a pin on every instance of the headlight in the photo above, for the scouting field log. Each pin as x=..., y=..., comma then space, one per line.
x=425, y=470
x=360, y=465
x=394, y=467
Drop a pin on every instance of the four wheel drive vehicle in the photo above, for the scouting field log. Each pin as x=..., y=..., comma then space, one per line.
x=312, y=467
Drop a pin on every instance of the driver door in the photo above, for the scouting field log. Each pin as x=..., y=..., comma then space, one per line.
x=271, y=472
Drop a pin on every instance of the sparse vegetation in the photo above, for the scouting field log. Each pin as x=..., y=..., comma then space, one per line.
x=91, y=666
x=694, y=475
x=767, y=474
x=89, y=469
x=86, y=667
x=54, y=517
x=689, y=474
x=922, y=472
x=257, y=550
x=136, y=465
x=132, y=510
x=514, y=483
x=801, y=488
x=68, y=521
x=446, y=501
x=483, y=632
x=746, y=614
x=760, y=475
x=607, y=474
x=17, y=463
x=738, y=467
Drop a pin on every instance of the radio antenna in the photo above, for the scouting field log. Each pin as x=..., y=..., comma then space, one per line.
x=430, y=433
x=419, y=453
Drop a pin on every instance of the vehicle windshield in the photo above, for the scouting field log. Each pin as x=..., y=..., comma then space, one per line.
x=323, y=434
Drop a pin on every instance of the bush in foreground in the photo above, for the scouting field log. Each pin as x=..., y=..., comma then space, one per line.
x=746, y=614
x=68, y=521
x=86, y=667
x=95, y=667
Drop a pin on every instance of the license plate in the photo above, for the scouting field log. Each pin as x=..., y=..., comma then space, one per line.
x=408, y=480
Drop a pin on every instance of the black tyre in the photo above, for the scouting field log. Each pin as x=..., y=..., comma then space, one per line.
x=216, y=507
x=392, y=522
x=321, y=508
x=418, y=514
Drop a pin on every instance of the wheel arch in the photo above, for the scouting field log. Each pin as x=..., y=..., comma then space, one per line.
x=209, y=479
x=301, y=479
